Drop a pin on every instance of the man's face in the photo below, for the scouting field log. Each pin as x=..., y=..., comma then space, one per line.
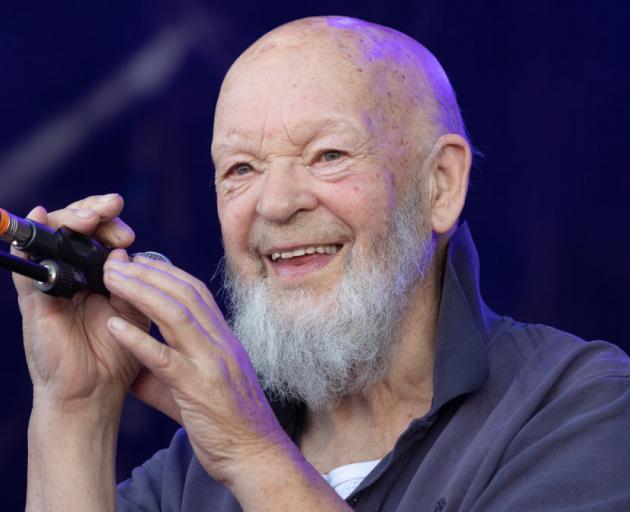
x=323, y=222
x=311, y=163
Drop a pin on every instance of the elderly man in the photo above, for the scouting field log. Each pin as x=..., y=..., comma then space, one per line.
x=341, y=171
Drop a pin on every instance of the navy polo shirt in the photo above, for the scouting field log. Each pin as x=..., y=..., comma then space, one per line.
x=524, y=418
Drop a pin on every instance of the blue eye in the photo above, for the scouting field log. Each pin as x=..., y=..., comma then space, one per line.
x=333, y=154
x=241, y=169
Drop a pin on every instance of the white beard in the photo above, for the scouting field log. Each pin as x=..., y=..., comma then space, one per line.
x=318, y=351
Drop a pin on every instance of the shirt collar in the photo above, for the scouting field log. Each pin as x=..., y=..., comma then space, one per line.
x=464, y=325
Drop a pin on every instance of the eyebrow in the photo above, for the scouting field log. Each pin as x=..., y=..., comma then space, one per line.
x=237, y=142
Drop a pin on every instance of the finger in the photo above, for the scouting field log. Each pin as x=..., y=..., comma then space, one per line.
x=184, y=288
x=108, y=206
x=198, y=285
x=97, y=216
x=125, y=309
x=178, y=325
x=159, y=358
x=153, y=392
x=81, y=220
x=115, y=233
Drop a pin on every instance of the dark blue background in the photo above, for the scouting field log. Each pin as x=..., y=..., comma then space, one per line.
x=543, y=87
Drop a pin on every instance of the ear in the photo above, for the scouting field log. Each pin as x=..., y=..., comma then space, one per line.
x=448, y=181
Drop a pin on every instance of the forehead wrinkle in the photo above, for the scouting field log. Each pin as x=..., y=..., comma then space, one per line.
x=237, y=140
x=234, y=141
x=297, y=134
x=285, y=130
x=306, y=130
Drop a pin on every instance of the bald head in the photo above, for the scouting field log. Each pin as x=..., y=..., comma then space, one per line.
x=397, y=78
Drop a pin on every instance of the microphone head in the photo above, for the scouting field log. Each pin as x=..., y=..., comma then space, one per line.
x=152, y=255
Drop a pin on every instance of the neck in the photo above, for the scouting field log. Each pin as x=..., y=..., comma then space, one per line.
x=366, y=425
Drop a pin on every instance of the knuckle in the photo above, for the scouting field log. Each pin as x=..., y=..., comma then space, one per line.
x=200, y=288
x=191, y=295
x=163, y=357
x=181, y=316
x=55, y=219
x=78, y=219
x=136, y=288
x=196, y=284
x=138, y=270
x=137, y=295
x=115, y=233
x=83, y=203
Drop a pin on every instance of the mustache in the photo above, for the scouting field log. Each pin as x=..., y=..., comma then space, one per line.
x=303, y=228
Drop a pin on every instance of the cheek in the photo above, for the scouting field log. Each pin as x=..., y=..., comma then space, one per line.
x=364, y=204
x=235, y=218
x=235, y=232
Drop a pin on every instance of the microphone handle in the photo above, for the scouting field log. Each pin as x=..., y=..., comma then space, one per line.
x=66, y=262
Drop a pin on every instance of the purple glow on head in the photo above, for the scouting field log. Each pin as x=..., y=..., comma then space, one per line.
x=374, y=48
x=343, y=22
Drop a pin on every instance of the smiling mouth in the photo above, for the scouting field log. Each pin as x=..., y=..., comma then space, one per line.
x=301, y=262
x=305, y=251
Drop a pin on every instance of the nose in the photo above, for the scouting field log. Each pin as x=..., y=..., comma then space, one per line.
x=286, y=190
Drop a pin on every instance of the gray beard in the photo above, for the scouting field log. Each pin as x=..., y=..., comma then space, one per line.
x=319, y=351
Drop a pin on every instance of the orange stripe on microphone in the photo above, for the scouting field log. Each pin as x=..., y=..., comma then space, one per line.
x=5, y=221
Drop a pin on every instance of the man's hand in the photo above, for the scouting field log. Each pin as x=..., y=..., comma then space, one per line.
x=203, y=378
x=80, y=373
x=71, y=355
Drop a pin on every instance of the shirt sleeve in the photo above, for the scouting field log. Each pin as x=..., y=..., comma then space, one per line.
x=147, y=490
x=572, y=455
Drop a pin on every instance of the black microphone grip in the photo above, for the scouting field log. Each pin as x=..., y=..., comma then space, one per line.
x=77, y=250
x=72, y=251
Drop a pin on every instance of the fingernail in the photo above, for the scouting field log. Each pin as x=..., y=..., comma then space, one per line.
x=107, y=198
x=84, y=214
x=117, y=255
x=117, y=324
x=117, y=264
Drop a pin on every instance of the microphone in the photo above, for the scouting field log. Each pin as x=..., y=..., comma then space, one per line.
x=63, y=262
